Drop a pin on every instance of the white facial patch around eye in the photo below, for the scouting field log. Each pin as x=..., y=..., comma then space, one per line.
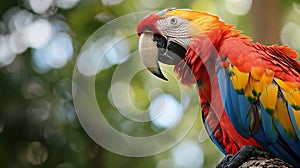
x=173, y=27
x=174, y=21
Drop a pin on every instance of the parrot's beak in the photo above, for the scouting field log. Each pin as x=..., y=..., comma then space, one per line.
x=149, y=53
x=154, y=48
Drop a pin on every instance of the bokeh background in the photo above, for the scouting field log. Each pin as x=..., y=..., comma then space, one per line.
x=40, y=41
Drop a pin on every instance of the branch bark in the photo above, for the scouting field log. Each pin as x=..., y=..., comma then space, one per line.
x=265, y=163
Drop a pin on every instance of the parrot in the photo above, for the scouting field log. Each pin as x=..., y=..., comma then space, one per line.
x=249, y=93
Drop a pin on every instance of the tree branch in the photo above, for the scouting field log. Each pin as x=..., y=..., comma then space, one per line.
x=265, y=162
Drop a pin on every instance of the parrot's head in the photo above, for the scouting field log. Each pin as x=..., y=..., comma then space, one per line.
x=166, y=36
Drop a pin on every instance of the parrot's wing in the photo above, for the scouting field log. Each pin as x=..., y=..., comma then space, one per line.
x=260, y=92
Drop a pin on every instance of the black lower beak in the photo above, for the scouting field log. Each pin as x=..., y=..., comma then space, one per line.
x=154, y=48
x=169, y=52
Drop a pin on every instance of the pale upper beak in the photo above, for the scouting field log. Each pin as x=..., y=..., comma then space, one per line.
x=149, y=54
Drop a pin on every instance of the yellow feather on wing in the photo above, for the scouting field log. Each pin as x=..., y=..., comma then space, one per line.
x=281, y=114
x=268, y=97
x=257, y=72
x=249, y=94
x=296, y=114
x=293, y=98
x=286, y=86
x=239, y=79
x=267, y=77
x=256, y=86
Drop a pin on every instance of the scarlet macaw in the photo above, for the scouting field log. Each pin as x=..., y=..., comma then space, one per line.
x=249, y=92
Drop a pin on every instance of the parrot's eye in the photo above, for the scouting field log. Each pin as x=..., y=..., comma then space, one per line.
x=173, y=21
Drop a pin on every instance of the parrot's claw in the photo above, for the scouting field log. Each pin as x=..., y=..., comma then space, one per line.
x=245, y=153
